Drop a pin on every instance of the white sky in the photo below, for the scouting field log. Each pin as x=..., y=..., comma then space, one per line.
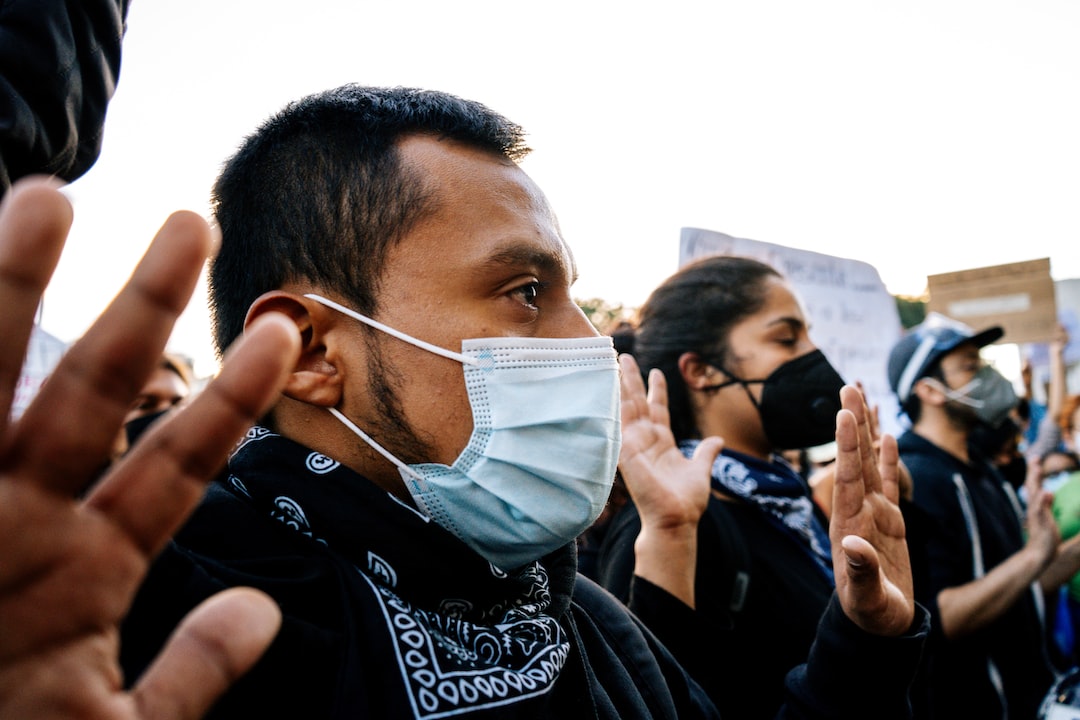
x=922, y=136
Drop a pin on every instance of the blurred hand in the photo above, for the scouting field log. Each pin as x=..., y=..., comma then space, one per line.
x=69, y=568
x=670, y=491
x=668, y=488
x=1042, y=530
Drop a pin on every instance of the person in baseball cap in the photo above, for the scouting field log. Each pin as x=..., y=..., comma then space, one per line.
x=988, y=565
x=918, y=353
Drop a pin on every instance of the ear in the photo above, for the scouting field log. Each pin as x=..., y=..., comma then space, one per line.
x=697, y=373
x=316, y=380
x=929, y=391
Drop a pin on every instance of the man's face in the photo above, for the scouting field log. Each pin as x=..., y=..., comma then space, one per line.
x=958, y=368
x=488, y=262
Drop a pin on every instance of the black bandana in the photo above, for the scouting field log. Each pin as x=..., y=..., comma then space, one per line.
x=467, y=635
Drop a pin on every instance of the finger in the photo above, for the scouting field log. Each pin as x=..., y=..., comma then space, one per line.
x=34, y=221
x=632, y=397
x=657, y=389
x=848, y=490
x=215, y=644
x=152, y=489
x=889, y=468
x=854, y=400
x=70, y=427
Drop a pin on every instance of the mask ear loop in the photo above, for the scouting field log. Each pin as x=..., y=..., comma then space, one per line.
x=464, y=359
x=960, y=395
x=374, y=445
x=735, y=380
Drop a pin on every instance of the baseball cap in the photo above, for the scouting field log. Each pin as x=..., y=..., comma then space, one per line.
x=925, y=343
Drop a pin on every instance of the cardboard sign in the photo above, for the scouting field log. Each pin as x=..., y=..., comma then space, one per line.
x=1017, y=296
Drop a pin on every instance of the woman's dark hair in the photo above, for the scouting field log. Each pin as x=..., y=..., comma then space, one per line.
x=694, y=311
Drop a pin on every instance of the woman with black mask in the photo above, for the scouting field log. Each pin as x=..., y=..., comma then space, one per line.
x=730, y=336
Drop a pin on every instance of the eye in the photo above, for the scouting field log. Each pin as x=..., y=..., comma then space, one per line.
x=528, y=294
x=143, y=403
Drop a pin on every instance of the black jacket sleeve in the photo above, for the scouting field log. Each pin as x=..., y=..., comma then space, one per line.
x=59, y=64
x=851, y=674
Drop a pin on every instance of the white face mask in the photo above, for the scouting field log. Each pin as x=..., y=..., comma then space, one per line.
x=539, y=465
x=989, y=393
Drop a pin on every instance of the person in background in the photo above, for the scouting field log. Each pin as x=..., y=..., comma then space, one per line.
x=727, y=339
x=169, y=385
x=59, y=66
x=990, y=566
x=1056, y=430
x=1001, y=445
x=1061, y=477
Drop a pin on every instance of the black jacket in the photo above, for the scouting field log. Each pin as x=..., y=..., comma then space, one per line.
x=972, y=524
x=59, y=65
x=386, y=615
x=763, y=608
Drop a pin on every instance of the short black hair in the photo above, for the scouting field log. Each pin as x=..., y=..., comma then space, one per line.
x=694, y=310
x=319, y=193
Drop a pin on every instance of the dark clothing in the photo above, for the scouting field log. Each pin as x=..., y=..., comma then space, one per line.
x=974, y=524
x=762, y=590
x=59, y=64
x=386, y=615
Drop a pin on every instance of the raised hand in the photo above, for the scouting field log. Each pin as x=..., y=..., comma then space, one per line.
x=870, y=555
x=68, y=568
x=670, y=491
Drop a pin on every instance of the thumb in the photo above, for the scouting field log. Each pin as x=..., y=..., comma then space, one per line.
x=707, y=450
x=861, y=561
x=213, y=646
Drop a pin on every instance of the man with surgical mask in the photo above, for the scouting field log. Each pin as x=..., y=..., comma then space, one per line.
x=990, y=565
x=450, y=426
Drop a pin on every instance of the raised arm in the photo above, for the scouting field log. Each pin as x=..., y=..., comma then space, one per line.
x=70, y=568
x=670, y=492
x=870, y=555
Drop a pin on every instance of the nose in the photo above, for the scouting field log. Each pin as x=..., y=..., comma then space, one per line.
x=570, y=322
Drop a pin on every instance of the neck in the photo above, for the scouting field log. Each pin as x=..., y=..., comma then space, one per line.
x=945, y=433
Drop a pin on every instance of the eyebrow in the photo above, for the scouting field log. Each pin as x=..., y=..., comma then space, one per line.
x=524, y=254
x=792, y=322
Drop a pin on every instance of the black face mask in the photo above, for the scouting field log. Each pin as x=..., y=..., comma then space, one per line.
x=138, y=426
x=799, y=401
x=1015, y=471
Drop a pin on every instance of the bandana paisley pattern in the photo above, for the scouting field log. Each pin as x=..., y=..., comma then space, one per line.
x=776, y=490
x=490, y=641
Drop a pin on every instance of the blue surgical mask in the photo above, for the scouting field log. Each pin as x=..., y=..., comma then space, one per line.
x=541, y=460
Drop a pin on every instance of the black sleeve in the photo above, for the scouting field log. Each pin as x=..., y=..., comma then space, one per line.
x=615, y=559
x=59, y=65
x=852, y=674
